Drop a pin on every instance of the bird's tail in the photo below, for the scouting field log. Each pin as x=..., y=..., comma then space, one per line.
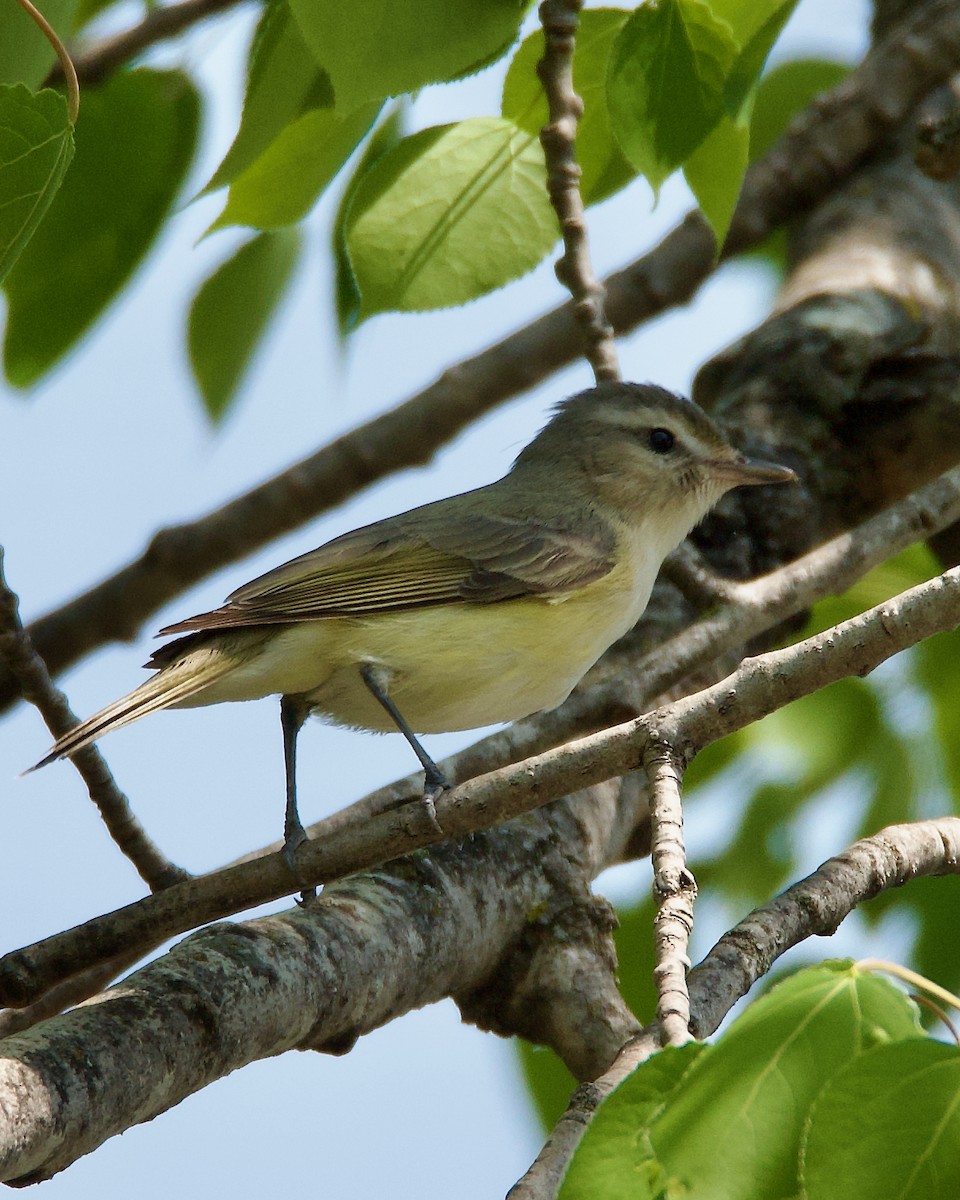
x=174, y=683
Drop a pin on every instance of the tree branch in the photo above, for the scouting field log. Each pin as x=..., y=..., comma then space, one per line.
x=818, y=151
x=315, y=977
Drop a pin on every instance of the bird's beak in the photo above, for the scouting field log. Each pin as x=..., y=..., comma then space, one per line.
x=746, y=471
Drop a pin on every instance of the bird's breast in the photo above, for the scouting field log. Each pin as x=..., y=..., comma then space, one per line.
x=461, y=666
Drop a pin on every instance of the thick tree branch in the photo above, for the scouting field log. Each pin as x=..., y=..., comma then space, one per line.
x=814, y=907
x=816, y=153
x=316, y=977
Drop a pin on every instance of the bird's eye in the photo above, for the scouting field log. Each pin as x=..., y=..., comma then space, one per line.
x=661, y=441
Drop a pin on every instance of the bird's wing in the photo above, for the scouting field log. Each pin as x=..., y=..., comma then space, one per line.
x=403, y=564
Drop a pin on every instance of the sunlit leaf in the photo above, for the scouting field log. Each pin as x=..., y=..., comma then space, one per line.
x=888, y=1126
x=348, y=301
x=283, y=82
x=284, y=183
x=756, y=25
x=372, y=50
x=665, y=88
x=715, y=172
x=725, y=1121
x=449, y=214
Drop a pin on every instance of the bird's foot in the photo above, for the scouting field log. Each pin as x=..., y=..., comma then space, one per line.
x=433, y=789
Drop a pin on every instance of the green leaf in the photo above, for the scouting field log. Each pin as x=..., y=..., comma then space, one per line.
x=36, y=146
x=25, y=54
x=231, y=312
x=283, y=82
x=783, y=92
x=605, y=170
x=614, y=1161
x=372, y=50
x=665, y=88
x=887, y=1127
x=135, y=139
x=726, y=1121
x=449, y=214
x=756, y=26
x=715, y=172
x=284, y=183
x=348, y=301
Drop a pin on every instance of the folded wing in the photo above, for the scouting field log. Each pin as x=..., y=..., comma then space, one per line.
x=415, y=561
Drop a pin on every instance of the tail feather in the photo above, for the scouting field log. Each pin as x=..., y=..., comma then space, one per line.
x=169, y=686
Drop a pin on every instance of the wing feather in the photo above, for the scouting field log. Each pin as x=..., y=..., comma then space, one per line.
x=416, y=560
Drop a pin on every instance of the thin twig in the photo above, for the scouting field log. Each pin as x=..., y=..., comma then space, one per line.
x=16, y=650
x=67, y=69
x=674, y=890
x=560, y=19
x=816, y=153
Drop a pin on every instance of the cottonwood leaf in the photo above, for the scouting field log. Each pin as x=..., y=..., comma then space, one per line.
x=231, y=312
x=283, y=82
x=665, y=87
x=135, y=139
x=372, y=50
x=726, y=1120
x=282, y=185
x=887, y=1127
x=447, y=215
x=36, y=146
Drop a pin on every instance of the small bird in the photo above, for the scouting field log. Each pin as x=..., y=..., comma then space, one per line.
x=474, y=610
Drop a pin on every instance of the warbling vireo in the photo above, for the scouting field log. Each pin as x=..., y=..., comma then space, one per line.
x=478, y=609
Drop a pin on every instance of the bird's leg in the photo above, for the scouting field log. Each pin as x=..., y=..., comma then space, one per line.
x=293, y=713
x=435, y=782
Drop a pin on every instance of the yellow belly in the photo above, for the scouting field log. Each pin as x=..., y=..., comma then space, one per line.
x=455, y=666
